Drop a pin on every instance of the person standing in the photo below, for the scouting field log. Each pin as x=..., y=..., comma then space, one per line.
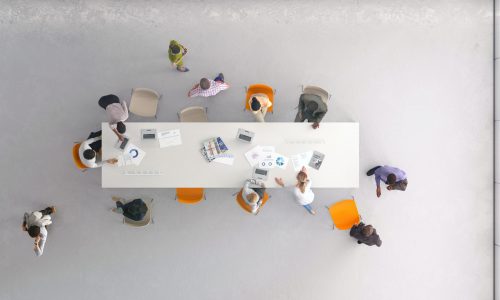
x=208, y=88
x=117, y=113
x=365, y=234
x=34, y=223
x=302, y=190
x=259, y=103
x=176, y=52
x=393, y=177
x=253, y=193
x=311, y=108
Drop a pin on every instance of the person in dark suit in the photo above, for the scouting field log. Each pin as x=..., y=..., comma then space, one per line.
x=135, y=210
x=311, y=108
x=365, y=234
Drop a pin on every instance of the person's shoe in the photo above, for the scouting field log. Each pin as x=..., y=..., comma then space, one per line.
x=53, y=209
x=221, y=76
x=113, y=209
x=182, y=69
x=313, y=212
x=372, y=171
x=359, y=242
x=116, y=199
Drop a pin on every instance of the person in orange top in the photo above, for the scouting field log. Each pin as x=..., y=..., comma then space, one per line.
x=259, y=103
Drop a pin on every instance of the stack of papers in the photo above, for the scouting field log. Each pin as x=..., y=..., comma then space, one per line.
x=213, y=148
x=169, y=138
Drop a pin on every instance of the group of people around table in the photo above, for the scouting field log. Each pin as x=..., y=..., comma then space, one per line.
x=311, y=108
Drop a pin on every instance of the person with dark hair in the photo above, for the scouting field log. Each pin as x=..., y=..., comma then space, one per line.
x=90, y=151
x=302, y=190
x=311, y=108
x=259, y=103
x=365, y=234
x=135, y=210
x=117, y=113
x=208, y=88
x=393, y=177
x=253, y=194
x=34, y=223
x=175, y=54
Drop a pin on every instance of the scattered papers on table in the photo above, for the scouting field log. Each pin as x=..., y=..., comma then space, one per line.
x=213, y=148
x=300, y=160
x=259, y=153
x=132, y=155
x=280, y=160
x=169, y=138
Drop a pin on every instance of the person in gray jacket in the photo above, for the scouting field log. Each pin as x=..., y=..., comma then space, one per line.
x=365, y=234
x=311, y=108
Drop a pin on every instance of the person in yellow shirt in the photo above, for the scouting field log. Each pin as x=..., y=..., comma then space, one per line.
x=175, y=54
x=259, y=103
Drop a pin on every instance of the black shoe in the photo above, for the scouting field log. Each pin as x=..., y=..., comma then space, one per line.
x=372, y=171
x=359, y=242
x=221, y=76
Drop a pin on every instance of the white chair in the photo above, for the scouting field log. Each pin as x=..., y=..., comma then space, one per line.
x=310, y=89
x=144, y=102
x=193, y=114
x=148, y=218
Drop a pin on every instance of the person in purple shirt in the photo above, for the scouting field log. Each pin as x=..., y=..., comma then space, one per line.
x=393, y=177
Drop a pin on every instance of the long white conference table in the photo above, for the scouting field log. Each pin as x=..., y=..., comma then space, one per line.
x=184, y=166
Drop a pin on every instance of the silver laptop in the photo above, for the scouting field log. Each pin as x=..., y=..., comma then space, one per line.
x=245, y=135
x=260, y=174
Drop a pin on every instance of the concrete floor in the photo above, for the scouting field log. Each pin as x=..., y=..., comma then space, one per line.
x=416, y=75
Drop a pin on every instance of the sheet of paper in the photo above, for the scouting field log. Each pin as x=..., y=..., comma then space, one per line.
x=134, y=154
x=281, y=160
x=227, y=159
x=169, y=138
x=300, y=160
x=259, y=153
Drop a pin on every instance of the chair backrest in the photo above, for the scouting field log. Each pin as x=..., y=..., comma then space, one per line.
x=260, y=89
x=244, y=204
x=144, y=102
x=189, y=195
x=147, y=218
x=76, y=157
x=344, y=214
x=193, y=114
x=324, y=95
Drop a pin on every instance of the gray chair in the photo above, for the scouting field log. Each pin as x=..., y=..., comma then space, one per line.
x=193, y=114
x=310, y=89
x=144, y=102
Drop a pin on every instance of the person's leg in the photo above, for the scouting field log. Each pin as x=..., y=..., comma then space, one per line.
x=219, y=77
x=94, y=134
x=47, y=211
x=180, y=66
x=119, y=207
x=309, y=208
x=372, y=171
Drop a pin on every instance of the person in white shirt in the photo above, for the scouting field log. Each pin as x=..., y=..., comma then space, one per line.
x=34, y=223
x=253, y=194
x=302, y=190
x=89, y=152
x=117, y=113
x=259, y=103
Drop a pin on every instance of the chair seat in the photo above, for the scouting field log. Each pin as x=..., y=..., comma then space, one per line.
x=324, y=95
x=190, y=195
x=144, y=102
x=193, y=114
x=344, y=214
x=260, y=89
x=245, y=206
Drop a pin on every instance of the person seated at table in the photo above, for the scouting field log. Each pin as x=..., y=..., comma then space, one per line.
x=311, y=108
x=253, y=194
x=259, y=103
x=90, y=151
x=135, y=210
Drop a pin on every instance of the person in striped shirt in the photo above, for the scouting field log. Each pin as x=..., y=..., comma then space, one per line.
x=208, y=88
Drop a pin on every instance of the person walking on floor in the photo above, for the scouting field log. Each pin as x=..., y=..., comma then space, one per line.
x=135, y=210
x=208, y=88
x=175, y=54
x=311, y=108
x=302, y=190
x=117, y=113
x=259, y=103
x=393, y=177
x=365, y=234
x=34, y=223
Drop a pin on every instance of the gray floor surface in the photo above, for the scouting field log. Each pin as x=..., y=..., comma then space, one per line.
x=416, y=75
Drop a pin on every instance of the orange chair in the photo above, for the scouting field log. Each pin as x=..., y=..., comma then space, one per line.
x=260, y=89
x=189, y=195
x=76, y=158
x=245, y=206
x=344, y=214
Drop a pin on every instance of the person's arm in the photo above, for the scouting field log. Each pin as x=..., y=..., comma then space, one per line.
x=40, y=246
x=124, y=106
x=194, y=91
x=279, y=181
x=222, y=85
x=319, y=116
x=246, y=189
x=24, y=225
x=119, y=135
x=184, y=49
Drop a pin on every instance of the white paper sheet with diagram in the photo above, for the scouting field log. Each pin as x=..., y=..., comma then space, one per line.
x=132, y=155
x=259, y=153
x=169, y=138
x=300, y=160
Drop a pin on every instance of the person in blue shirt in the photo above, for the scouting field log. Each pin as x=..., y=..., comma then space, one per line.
x=393, y=177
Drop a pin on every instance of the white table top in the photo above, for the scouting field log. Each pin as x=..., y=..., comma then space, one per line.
x=184, y=166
